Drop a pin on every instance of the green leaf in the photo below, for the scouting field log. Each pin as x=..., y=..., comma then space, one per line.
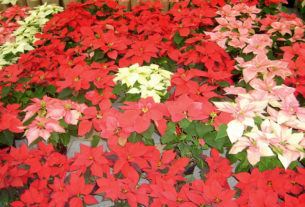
x=184, y=149
x=51, y=89
x=132, y=97
x=7, y=137
x=223, y=83
x=148, y=133
x=148, y=141
x=25, y=100
x=169, y=147
x=210, y=139
x=222, y=131
x=268, y=163
x=293, y=165
x=202, y=129
x=191, y=129
x=224, y=29
x=243, y=166
x=95, y=140
x=134, y=137
x=98, y=56
x=63, y=123
x=53, y=139
x=184, y=123
x=4, y=197
x=81, y=98
x=177, y=38
x=5, y=91
x=279, y=80
x=258, y=120
x=39, y=93
x=118, y=88
x=189, y=178
x=64, y=139
x=168, y=138
x=65, y=93
x=23, y=80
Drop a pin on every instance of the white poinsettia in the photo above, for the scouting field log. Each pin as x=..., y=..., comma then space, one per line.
x=25, y=34
x=13, y=2
x=149, y=81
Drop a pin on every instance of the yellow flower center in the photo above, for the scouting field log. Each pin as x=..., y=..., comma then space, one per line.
x=217, y=200
x=41, y=124
x=144, y=110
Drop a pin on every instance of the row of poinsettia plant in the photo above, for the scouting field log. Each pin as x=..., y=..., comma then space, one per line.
x=224, y=75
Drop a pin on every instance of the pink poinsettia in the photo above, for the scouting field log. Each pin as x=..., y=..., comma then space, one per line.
x=42, y=127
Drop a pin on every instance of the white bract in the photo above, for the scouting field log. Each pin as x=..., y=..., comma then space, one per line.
x=13, y=2
x=25, y=34
x=149, y=81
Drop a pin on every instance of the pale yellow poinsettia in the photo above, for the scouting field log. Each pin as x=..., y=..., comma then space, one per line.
x=25, y=34
x=152, y=81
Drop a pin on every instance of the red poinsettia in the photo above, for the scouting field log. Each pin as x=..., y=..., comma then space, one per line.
x=143, y=112
x=184, y=107
x=80, y=192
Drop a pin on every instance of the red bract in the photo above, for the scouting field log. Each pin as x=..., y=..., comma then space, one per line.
x=173, y=172
x=215, y=194
x=130, y=158
x=92, y=116
x=143, y=112
x=140, y=51
x=77, y=78
x=218, y=63
x=220, y=168
x=110, y=186
x=80, y=192
x=184, y=107
x=9, y=118
x=163, y=192
x=295, y=56
x=8, y=22
x=60, y=195
x=115, y=127
x=93, y=158
x=183, y=81
x=10, y=74
x=36, y=195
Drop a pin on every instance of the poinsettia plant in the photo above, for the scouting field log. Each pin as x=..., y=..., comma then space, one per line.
x=202, y=76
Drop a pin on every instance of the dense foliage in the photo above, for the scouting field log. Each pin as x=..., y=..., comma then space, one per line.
x=160, y=88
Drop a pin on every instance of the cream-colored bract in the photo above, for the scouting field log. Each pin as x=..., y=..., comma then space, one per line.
x=25, y=34
x=149, y=81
